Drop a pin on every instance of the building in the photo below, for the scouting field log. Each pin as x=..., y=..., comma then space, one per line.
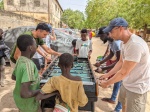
x=38, y=9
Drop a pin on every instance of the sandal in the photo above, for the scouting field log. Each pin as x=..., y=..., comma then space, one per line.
x=108, y=100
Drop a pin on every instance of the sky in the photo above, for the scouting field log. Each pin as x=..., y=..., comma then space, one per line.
x=73, y=4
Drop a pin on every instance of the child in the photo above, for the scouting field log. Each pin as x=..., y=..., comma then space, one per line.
x=74, y=46
x=70, y=87
x=84, y=46
x=26, y=76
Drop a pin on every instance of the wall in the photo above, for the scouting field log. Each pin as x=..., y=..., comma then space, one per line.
x=12, y=20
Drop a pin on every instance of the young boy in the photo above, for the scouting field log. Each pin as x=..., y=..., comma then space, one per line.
x=74, y=46
x=83, y=45
x=26, y=76
x=70, y=87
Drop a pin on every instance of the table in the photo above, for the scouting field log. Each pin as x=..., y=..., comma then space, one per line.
x=81, y=67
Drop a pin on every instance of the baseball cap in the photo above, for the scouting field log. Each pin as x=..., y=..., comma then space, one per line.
x=50, y=27
x=116, y=22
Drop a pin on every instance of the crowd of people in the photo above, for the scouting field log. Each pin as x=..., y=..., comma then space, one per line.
x=129, y=71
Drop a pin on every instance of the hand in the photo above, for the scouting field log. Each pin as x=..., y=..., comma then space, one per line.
x=98, y=70
x=103, y=84
x=89, y=56
x=48, y=57
x=59, y=54
x=97, y=64
x=103, y=77
x=75, y=54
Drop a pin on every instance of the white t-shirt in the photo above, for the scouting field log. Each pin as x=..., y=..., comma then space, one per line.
x=47, y=42
x=136, y=50
x=84, y=47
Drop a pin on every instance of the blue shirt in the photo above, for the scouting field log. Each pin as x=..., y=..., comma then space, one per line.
x=115, y=46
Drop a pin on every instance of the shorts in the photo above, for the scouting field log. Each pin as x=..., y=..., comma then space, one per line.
x=134, y=102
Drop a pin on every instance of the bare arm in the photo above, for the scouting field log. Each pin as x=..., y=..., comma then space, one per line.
x=26, y=92
x=53, y=36
x=49, y=50
x=41, y=96
x=123, y=72
x=113, y=64
x=13, y=77
x=106, y=51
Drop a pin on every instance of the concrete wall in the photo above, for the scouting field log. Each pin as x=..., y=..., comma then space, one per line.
x=12, y=20
x=37, y=12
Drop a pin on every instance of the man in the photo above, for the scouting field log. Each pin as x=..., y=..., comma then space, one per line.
x=42, y=30
x=4, y=52
x=114, y=46
x=133, y=67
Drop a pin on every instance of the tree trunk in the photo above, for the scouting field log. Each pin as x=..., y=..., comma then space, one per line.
x=145, y=31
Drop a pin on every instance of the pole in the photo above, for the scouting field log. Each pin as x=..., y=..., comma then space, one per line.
x=48, y=12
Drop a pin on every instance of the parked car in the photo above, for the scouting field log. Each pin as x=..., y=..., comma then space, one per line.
x=61, y=44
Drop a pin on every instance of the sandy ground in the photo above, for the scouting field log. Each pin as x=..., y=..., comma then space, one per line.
x=6, y=97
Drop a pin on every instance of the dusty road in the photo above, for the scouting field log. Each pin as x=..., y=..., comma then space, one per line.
x=6, y=97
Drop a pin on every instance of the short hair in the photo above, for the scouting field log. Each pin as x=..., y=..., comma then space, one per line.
x=84, y=31
x=66, y=60
x=74, y=42
x=43, y=26
x=24, y=41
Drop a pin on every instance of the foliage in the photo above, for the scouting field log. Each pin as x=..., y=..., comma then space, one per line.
x=100, y=12
x=74, y=19
x=1, y=5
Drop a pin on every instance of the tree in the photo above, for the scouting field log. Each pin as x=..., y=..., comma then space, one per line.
x=136, y=12
x=1, y=5
x=74, y=19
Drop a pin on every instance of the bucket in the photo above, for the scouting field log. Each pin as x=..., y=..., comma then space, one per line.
x=59, y=108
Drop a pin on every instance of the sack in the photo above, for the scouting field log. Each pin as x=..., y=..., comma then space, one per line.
x=60, y=108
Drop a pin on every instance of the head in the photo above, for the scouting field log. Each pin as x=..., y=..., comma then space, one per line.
x=50, y=28
x=104, y=36
x=26, y=43
x=1, y=33
x=65, y=61
x=74, y=42
x=84, y=34
x=70, y=32
x=42, y=30
x=116, y=28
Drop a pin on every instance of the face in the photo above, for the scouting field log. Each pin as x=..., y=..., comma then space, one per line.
x=42, y=33
x=115, y=33
x=33, y=48
x=83, y=36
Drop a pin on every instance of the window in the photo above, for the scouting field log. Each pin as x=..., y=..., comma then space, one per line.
x=10, y=2
x=22, y=2
x=37, y=3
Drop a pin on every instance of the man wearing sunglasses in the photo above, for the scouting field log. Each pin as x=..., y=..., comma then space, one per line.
x=133, y=67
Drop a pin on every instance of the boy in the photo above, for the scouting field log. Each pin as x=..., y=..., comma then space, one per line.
x=74, y=46
x=26, y=76
x=83, y=45
x=70, y=87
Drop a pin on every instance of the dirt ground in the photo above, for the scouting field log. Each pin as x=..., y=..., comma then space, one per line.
x=6, y=97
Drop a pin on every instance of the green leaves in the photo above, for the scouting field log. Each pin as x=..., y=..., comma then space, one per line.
x=100, y=12
x=1, y=5
x=74, y=19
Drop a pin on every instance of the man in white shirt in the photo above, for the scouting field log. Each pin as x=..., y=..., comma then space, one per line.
x=133, y=67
